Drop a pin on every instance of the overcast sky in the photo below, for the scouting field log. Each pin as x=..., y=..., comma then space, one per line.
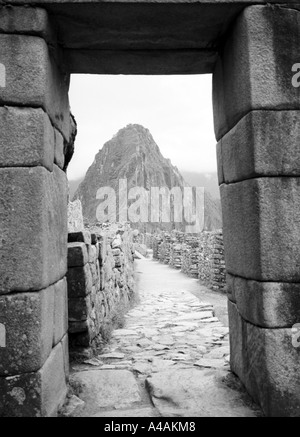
x=176, y=109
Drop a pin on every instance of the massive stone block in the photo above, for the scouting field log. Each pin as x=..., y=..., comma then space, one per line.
x=75, y=327
x=220, y=163
x=77, y=254
x=28, y=320
x=79, y=281
x=59, y=157
x=26, y=138
x=26, y=21
x=254, y=69
x=38, y=394
x=65, y=347
x=256, y=214
x=34, y=79
x=33, y=224
x=60, y=311
x=267, y=363
x=79, y=309
x=230, y=288
x=53, y=381
x=265, y=304
x=80, y=236
x=263, y=143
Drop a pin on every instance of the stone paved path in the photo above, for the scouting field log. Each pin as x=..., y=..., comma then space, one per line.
x=171, y=359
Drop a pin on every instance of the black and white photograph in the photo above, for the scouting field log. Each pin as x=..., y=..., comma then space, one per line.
x=149, y=211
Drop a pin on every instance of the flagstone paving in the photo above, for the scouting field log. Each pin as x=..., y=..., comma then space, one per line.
x=171, y=359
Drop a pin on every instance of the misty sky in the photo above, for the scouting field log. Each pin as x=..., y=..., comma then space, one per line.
x=176, y=109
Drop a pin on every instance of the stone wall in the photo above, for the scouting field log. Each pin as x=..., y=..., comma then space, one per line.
x=190, y=258
x=100, y=280
x=212, y=271
x=199, y=257
x=258, y=168
x=34, y=137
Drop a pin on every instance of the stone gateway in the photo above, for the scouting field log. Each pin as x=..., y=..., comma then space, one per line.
x=250, y=49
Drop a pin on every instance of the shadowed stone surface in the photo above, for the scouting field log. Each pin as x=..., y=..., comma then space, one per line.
x=20, y=396
x=79, y=308
x=140, y=36
x=33, y=79
x=33, y=223
x=254, y=69
x=35, y=394
x=28, y=319
x=266, y=304
x=34, y=323
x=77, y=254
x=263, y=143
x=257, y=213
x=26, y=138
x=79, y=281
x=256, y=122
x=267, y=363
x=65, y=347
x=60, y=311
x=59, y=157
x=53, y=378
x=220, y=165
x=25, y=21
x=80, y=236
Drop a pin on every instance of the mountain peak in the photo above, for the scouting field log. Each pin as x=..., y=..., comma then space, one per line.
x=133, y=155
x=133, y=128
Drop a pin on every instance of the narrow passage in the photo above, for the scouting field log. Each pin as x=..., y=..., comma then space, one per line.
x=171, y=358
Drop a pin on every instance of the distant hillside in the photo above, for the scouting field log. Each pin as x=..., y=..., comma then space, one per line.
x=207, y=180
x=132, y=154
x=73, y=185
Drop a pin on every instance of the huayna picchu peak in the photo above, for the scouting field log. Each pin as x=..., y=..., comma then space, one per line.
x=133, y=155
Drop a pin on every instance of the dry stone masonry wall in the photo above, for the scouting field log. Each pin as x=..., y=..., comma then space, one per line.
x=100, y=281
x=211, y=260
x=199, y=256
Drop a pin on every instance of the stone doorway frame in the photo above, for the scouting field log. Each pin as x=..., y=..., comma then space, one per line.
x=256, y=111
